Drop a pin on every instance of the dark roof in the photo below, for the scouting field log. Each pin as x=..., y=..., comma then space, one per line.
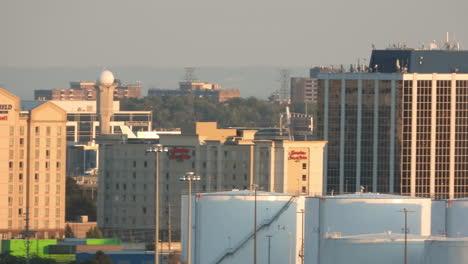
x=28, y=105
x=419, y=61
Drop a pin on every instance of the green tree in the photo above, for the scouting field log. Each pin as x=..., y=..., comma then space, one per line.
x=77, y=204
x=69, y=232
x=179, y=112
x=94, y=232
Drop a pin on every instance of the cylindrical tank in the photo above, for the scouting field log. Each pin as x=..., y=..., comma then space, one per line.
x=371, y=249
x=362, y=213
x=457, y=218
x=223, y=227
x=447, y=251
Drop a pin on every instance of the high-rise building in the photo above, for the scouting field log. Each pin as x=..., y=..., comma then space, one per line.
x=401, y=132
x=32, y=168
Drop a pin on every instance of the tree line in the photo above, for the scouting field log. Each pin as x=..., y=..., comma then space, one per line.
x=171, y=112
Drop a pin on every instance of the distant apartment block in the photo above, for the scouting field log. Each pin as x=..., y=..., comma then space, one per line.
x=32, y=168
x=85, y=91
x=303, y=90
x=199, y=90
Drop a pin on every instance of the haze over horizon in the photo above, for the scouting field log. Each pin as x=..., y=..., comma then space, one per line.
x=77, y=38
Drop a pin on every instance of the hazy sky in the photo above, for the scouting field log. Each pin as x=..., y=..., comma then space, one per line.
x=175, y=33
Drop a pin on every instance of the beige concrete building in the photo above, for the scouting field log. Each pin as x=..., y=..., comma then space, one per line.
x=32, y=167
x=225, y=159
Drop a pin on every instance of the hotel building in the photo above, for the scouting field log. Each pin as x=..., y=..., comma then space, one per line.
x=401, y=127
x=225, y=159
x=32, y=168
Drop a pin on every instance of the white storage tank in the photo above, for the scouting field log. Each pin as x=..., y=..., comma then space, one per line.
x=457, y=218
x=362, y=213
x=223, y=225
x=371, y=249
x=447, y=251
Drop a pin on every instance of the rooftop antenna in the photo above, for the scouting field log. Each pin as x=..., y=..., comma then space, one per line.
x=447, y=41
x=190, y=74
x=397, y=65
x=284, y=85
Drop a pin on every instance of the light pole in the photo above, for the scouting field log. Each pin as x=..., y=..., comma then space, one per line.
x=156, y=149
x=302, y=212
x=254, y=187
x=189, y=177
x=406, y=211
x=269, y=248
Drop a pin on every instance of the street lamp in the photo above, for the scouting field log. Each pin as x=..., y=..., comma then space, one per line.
x=405, y=211
x=254, y=188
x=156, y=149
x=189, y=177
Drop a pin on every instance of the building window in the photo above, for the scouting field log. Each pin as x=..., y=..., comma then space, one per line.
x=134, y=164
x=21, y=164
x=37, y=131
x=10, y=165
x=134, y=175
x=20, y=211
x=46, y=164
x=21, y=141
x=47, y=153
x=48, y=131
x=304, y=166
x=144, y=210
x=146, y=164
x=304, y=177
x=10, y=201
x=58, y=164
x=36, y=176
x=304, y=189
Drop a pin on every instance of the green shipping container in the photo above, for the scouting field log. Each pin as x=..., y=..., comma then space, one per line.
x=36, y=247
x=103, y=241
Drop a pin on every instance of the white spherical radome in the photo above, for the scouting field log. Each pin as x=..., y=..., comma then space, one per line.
x=106, y=78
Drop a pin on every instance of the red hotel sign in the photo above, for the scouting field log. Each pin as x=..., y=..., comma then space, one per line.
x=179, y=153
x=297, y=155
x=2, y=118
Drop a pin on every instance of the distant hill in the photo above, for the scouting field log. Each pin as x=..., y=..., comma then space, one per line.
x=251, y=81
